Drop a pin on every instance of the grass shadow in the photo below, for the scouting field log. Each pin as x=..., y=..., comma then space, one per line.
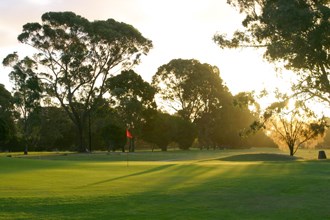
x=156, y=169
x=264, y=157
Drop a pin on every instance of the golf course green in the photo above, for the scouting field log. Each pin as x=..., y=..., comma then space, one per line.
x=220, y=184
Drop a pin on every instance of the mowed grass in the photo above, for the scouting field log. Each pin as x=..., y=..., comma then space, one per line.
x=229, y=184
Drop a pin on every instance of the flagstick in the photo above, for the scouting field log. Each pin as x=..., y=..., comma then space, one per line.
x=127, y=159
x=129, y=138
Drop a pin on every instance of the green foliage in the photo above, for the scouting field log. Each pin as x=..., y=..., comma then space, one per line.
x=159, y=130
x=185, y=133
x=7, y=128
x=294, y=33
x=189, y=87
x=291, y=127
x=231, y=122
x=108, y=129
x=56, y=130
x=162, y=129
x=27, y=93
x=245, y=99
x=133, y=98
x=79, y=56
x=197, y=93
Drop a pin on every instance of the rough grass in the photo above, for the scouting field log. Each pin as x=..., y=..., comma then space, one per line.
x=244, y=184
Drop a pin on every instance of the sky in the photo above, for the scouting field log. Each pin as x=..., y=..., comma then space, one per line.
x=178, y=29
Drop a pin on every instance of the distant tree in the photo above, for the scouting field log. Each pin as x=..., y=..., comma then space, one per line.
x=326, y=140
x=108, y=129
x=114, y=137
x=195, y=91
x=27, y=92
x=77, y=57
x=133, y=98
x=290, y=126
x=189, y=87
x=162, y=129
x=7, y=126
x=222, y=128
x=159, y=130
x=294, y=130
x=56, y=130
x=185, y=132
x=295, y=33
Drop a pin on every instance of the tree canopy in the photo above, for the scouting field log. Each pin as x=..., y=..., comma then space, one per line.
x=190, y=87
x=76, y=57
x=27, y=91
x=289, y=123
x=6, y=115
x=294, y=33
x=132, y=96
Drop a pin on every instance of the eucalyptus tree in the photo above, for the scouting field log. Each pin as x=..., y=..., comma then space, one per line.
x=132, y=96
x=134, y=99
x=27, y=92
x=294, y=33
x=293, y=128
x=290, y=126
x=189, y=87
x=160, y=130
x=194, y=91
x=56, y=129
x=76, y=57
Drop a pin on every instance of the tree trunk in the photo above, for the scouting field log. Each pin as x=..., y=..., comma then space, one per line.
x=131, y=142
x=89, y=133
x=291, y=150
x=163, y=148
x=26, y=149
x=81, y=146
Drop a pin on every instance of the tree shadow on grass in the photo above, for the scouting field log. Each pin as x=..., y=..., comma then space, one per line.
x=259, y=157
x=159, y=168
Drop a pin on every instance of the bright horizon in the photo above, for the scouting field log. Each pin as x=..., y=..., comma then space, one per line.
x=178, y=29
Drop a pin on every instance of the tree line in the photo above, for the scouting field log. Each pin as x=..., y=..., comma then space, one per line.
x=131, y=104
x=67, y=97
x=73, y=73
x=294, y=35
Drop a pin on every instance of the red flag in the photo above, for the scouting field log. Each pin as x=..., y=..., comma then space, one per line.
x=128, y=134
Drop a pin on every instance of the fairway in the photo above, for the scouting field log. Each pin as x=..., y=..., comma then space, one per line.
x=226, y=184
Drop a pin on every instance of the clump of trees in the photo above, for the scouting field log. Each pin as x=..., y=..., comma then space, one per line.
x=68, y=96
x=76, y=57
x=293, y=34
x=198, y=94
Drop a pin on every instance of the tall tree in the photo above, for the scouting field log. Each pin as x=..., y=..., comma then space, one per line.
x=295, y=33
x=135, y=100
x=132, y=96
x=27, y=91
x=77, y=57
x=7, y=128
x=189, y=87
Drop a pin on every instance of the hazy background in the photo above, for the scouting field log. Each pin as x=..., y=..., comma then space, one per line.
x=178, y=29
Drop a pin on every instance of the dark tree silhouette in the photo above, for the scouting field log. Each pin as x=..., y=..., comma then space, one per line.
x=78, y=56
